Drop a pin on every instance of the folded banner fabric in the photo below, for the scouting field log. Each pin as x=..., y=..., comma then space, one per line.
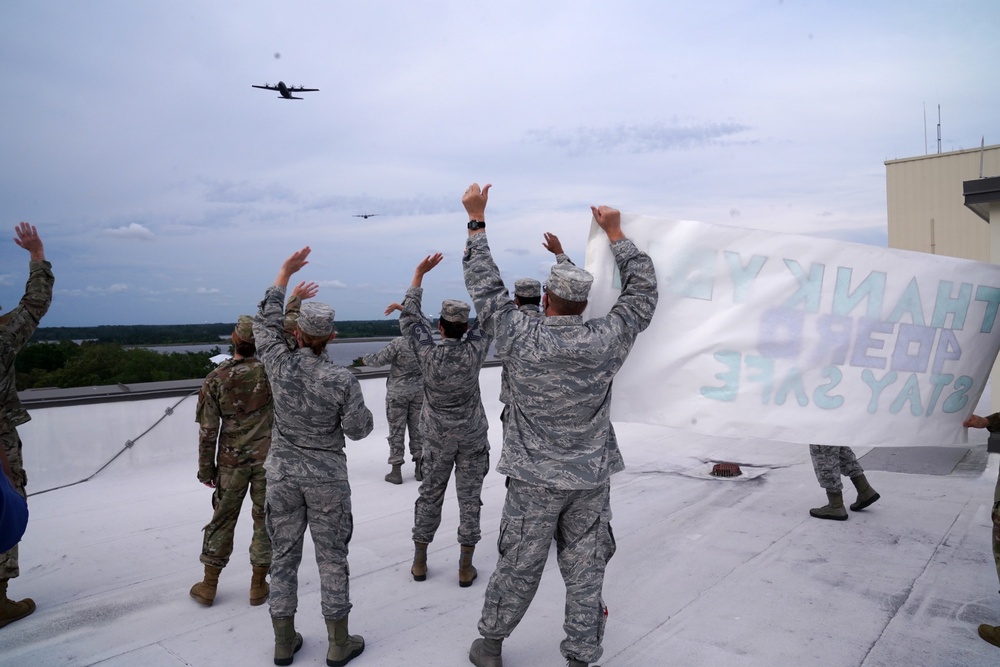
x=802, y=339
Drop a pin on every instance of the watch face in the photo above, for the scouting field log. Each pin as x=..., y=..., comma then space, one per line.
x=477, y=224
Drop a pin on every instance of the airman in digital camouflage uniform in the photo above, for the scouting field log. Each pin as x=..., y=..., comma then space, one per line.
x=991, y=633
x=452, y=422
x=829, y=463
x=237, y=397
x=559, y=446
x=404, y=398
x=527, y=298
x=16, y=328
x=316, y=404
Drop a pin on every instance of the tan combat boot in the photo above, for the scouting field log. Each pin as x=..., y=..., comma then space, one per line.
x=344, y=647
x=486, y=652
x=467, y=572
x=258, y=585
x=287, y=642
x=419, y=568
x=395, y=476
x=834, y=509
x=204, y=591
x=990, y=633
x=866, y=494
x=11, y=611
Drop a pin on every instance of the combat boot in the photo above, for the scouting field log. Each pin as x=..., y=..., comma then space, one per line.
x=395, y=476
x=486, y=652
x=11, y=611
x=572, y=662
x=467, y=572
x=287, y=642
x=866, y=494
x=419, y=568
x=259, y=588
x=990, y=633
x=418, y=470
x=344, y=647
x=834, y=509
x=204, y=591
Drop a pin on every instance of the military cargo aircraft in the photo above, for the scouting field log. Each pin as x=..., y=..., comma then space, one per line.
x=286, y=91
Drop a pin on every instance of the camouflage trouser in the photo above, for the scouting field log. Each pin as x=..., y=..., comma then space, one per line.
x=403, y=413
x=12, y=446
x=230, y=490
x=830, y=462
x=325, y=506
x=996, y=526
x=580, y=521
x=471, y=462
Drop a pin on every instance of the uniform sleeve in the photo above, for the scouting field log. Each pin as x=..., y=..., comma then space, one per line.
x=634, y=308
x=385, y=356
x=357, y=418
x=563, y=258
x=23, y=319
x=413, y=324
x=268, y=326
x=208, y=416
x=482, y=279
x=993, y=422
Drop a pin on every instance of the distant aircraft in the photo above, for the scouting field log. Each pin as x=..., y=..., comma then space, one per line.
x=286, y=91
x=365, y=215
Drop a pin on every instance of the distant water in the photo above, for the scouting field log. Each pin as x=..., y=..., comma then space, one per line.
x=341, y=352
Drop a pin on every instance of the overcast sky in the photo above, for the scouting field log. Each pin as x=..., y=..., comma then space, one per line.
x=168, y=190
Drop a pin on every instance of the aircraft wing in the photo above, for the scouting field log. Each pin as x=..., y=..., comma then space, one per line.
x=300, y=89
x=265, y=87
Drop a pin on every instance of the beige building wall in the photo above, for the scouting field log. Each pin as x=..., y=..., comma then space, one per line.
x=926, y=207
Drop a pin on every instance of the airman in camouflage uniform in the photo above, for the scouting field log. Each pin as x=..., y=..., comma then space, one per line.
x=316, y=404
x=452, y=421
x=991, y=633
x=237, y=396
x=829, y=463
x=527, y=298
x=16, y=328
x=559, y=447
x=404, y=398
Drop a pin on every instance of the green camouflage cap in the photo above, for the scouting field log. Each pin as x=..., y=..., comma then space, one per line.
x=244, y=329
x=528, y=287
x=316, y=319
x=455, y=311
x=569, y=282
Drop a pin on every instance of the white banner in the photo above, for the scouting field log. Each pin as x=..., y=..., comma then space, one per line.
x=802, y=339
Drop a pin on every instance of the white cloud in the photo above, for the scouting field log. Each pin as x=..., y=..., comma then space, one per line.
x=131, y=231
x=336, y=284
x=207, y=290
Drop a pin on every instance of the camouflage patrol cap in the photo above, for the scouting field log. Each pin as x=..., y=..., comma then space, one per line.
x=244, y=329
x=569, y=282
x=316, y=319
x=527, y=287
x=455, y=311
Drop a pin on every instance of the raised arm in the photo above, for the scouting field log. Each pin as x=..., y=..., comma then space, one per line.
x=553, y=245
x=21, y=322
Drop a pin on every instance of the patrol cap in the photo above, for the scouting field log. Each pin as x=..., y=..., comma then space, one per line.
x=244, y=329
x=316, y=319
x=455, y=311
x=528, y=287
x=569, y=282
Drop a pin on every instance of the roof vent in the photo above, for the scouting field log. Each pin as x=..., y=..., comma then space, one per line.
x=726, y=470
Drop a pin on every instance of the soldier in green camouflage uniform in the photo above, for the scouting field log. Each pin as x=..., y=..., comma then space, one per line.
x=404, y=398
x=16, y=328
x=991, y=633
x=235, y=395
x=316, y=404
x=453, y=422
x=559, y=447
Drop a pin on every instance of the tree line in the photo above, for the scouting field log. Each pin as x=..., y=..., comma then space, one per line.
x=66, y=357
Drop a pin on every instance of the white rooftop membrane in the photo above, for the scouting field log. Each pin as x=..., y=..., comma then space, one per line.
x=708, y=571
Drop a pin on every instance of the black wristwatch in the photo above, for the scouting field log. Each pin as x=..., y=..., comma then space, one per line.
x=477, y=224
